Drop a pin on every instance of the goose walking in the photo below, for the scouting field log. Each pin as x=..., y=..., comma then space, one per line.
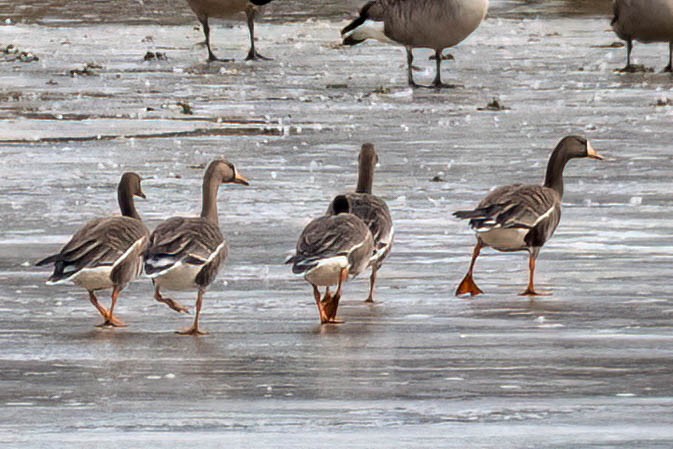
x=522, y=217
x=186, y=253
x=372, y=210
x=226, y=9
x=645, y=21
x=106, y=252
x=434, y=24
x=330, y=249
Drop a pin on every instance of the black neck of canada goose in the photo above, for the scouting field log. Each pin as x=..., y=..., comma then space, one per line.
x=568, y=148
x=367, y=163
x=128, y=187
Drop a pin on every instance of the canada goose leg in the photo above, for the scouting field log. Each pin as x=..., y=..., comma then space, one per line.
x=173, y=304
x=629, y=47
x=372, y=282
x=252, y=54
x=110, y=319
x=194, y=329
x=530, y=291
x=669, y=67
x=410, y=68
x=100, y=307
x=206, y=32
x=467, y=285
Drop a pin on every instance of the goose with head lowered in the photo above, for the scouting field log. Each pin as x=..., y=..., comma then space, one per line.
x=186, y=253
x=522, y=217
x=227, y=9
x=372, y=210
x=106, y=252
x=434, y=24
x=329, y=250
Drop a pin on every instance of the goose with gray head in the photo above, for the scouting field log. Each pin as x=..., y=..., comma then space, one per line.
x=186, y=253
x=106, y=252
x=434, y=24
x=228, y=9
x=329, y=250
x=645, y=21
x=372, y=210
x=523, y=217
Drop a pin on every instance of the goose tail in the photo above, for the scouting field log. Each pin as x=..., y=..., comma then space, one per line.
x=364, y=27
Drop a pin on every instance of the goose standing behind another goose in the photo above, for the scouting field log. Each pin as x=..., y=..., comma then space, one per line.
x=187, y=252
x=226, y=9
x=372, y=210
x=105, y=252
x=434, y=24
x=329, y=249
x=645, y=21
x=523, y=217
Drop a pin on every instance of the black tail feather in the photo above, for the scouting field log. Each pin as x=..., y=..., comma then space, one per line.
x=48, y=260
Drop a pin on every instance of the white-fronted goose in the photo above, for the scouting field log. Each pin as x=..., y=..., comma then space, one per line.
x=105, y=252
x=434, y=24
x=372, y=210
x=226, y=9
x=186, y=253
x=645, y=21
x=331, y=248
x=522, y=217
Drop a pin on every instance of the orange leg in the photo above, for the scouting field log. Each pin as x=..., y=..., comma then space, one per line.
x=194, y=329
x=372, y=282
x=319, y=303
x=331, y=304
x=530, y=291
x=100, y=307
x=173, y=304
x=467, y=285
x=111, y=320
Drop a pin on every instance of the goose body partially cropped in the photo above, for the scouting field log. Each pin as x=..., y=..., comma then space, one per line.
x=522, y=217
x=434, y=24
x=372, y=210
x=106, y=252
x=186, y=253
x=644, y=21
x=329, y=250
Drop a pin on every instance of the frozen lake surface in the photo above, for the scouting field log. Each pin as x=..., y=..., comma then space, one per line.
x=590, y=366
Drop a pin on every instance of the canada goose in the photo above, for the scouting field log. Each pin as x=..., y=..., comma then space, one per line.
x=105, y=252
x=522, y=217
x=645, y=21
x=186, y=253
x=434, y=24
x=226, y=9
x=329, y=249
x=372, y=210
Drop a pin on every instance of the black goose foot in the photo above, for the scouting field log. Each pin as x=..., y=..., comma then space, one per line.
x=255, y=56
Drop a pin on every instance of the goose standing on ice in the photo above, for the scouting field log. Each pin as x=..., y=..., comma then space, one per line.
x=645, y=21
x=329, y=249
x=434, y=24
x=226, y=9
x=105, y=252
x=522, y=217
x=372, y=210
x=186, y=253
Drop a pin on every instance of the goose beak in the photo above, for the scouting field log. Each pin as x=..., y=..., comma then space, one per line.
x=240, y=179
x=592, y=153
x=141, y=194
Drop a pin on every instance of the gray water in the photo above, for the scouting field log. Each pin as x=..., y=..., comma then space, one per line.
x=589, y=366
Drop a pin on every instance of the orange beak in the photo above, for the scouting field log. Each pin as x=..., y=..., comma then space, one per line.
x=592, y=153
x=240, y=179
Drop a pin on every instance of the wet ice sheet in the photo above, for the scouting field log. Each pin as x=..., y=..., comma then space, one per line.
x=590, y=365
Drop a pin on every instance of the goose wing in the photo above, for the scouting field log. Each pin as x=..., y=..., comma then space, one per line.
x=514, y=206
x=100, y=242
x=191, y=240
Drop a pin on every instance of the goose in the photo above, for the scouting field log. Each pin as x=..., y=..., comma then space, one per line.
x=372, y=210
x=226, y=9
x=186, y=253
x=329, y=249
x=645, y=21
x=105, y=252
x=522, y=217
x=434, y=24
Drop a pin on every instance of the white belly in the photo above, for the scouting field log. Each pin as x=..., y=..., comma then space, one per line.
x=505, y=239
x=327, y=272
x=179, y=277
x=94, y=278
